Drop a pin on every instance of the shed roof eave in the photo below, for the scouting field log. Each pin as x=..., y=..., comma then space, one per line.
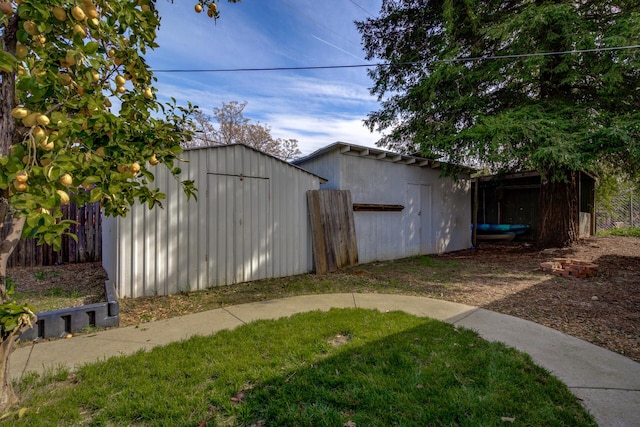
x=291, y=163
x=376, y=154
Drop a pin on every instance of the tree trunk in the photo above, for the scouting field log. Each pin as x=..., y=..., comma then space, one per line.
x=10, y=225
x=8, y=396
x=8, y=90
x=559, y=217
x=13, y=230
x=8, y=137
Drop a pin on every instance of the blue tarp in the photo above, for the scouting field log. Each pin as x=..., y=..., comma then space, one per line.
x=503, y=228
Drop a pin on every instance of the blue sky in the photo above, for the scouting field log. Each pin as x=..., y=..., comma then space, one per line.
x=316, y=107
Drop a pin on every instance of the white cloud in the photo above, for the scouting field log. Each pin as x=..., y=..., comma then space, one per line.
x=295, y=115
x=315, y=131
x=316, y=107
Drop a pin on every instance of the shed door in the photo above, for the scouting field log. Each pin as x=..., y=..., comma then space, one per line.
x=418, y=211
x=239, y=244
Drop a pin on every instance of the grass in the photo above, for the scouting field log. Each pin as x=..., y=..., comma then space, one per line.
x=343, y=367
x=626, y=231
x=419, y=275
x=430, y=276
x=50, y=299
x=61, y=293
x=42, y=275
x=418, y=262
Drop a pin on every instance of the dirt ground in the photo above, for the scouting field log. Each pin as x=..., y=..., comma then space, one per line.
x=60, y=286
x=604, y=310
x=504, y=277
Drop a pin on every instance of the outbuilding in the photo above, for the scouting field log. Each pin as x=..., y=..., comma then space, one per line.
x=515, y=199
x=250, y=222
x=402, y=205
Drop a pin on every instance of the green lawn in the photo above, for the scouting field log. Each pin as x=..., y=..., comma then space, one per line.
x=347, y=367
x=627, y=231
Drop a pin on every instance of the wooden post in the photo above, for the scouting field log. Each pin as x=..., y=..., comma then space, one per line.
x=475, y=213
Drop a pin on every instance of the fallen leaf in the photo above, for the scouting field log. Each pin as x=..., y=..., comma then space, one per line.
x=22, y=412
x=238, y=398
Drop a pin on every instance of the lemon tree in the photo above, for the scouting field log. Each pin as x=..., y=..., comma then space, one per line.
x=79, y=121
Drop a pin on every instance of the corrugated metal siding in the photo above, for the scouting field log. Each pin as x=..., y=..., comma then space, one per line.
x=242, y=228
x=328, y=167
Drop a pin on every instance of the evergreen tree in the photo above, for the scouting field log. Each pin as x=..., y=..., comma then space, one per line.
x=512, y=85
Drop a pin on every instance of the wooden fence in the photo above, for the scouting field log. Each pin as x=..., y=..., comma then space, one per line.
x=88, y=248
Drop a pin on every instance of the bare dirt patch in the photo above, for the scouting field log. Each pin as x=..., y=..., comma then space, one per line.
x=61, y=286
x=604, y=309
x=506, y=278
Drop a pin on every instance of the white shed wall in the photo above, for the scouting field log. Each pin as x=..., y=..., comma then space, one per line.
x=329, y=165
x=436, y=217
x=242, y=228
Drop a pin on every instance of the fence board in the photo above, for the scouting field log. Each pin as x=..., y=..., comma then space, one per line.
x=82, y=235
x=317, y=232
x=97, y=231
x=332, y=229
x=88, y=249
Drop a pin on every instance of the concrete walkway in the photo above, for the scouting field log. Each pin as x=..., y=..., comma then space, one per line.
x=607, y=383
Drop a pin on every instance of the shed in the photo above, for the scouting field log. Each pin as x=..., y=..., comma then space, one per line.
x=402, y=205
x=250, y=222
x=514, y=199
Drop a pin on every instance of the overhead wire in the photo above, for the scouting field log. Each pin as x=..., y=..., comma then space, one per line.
x=389, y=64
x=318, y=23
x=361, y=8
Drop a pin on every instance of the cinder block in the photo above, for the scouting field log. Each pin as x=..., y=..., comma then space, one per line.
x=58, y=323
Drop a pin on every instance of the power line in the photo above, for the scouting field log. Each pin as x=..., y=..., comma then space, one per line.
x=529, y=55
x=229, y=70
x=389, y=64
x=335, y=47
x=362, y=8
x=319, y=23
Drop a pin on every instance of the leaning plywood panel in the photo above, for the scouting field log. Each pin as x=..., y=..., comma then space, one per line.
x=332, y=228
